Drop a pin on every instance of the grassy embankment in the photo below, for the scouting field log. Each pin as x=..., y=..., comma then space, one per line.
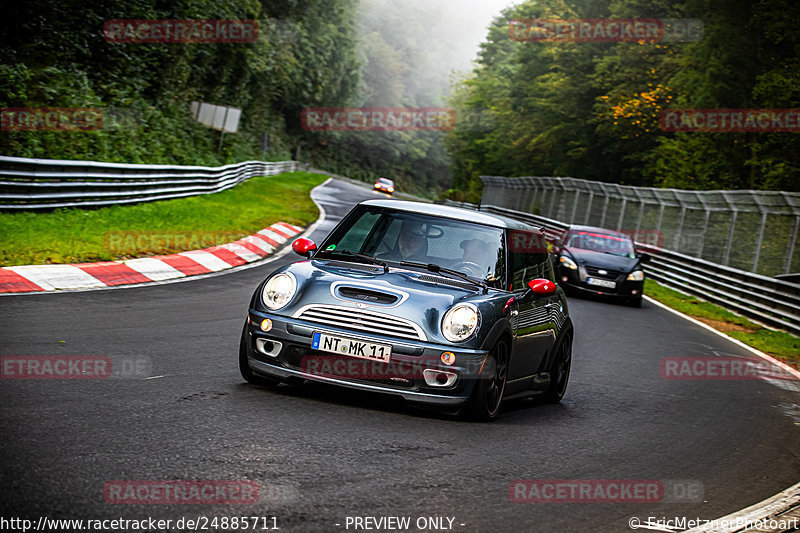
x=169, y=226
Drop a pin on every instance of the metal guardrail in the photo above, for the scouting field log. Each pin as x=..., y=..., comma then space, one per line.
x=757, y=231
x=768, y=300
x=27, y=184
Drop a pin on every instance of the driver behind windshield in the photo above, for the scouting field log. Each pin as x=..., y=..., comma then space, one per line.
x=411, y=243
x=474, y=260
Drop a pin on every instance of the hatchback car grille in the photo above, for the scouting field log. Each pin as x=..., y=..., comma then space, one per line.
x=609, y=274
x=364, y=320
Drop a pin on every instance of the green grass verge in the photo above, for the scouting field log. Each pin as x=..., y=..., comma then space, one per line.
x=169, y=226
x=779, y=344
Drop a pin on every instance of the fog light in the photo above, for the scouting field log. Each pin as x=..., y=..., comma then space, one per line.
x=448, y=358
x=266, y=324
x=269, y=347
x=564, y=278
x=634, y=291
x=439, y=378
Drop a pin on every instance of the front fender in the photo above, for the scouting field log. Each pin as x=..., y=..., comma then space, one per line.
x=501, y=327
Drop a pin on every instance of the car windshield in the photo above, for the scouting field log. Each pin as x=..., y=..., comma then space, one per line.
x=395, y=236
x=385, y=181
x=599, y=242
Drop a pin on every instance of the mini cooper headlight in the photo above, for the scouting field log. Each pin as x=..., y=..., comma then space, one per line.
x=567, y=262
x=279, y=290
x=636, y=275
x=460, y=322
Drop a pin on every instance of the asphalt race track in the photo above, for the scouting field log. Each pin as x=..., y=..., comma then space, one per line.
x=321, y=454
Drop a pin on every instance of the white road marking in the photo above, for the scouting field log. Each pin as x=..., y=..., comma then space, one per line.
x=154, y=269
x=53, y=277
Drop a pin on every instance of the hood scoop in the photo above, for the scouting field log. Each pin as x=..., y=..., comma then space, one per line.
x=364, y=295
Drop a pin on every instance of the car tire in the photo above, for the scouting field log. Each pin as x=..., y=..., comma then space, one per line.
x=634, y=302
x=559, y=371
x=244, y=367
x=487, y=395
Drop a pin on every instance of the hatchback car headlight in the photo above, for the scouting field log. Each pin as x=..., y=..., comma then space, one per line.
x=278, y=290
x=636, y=275
x=567, y=262
x=460, y=322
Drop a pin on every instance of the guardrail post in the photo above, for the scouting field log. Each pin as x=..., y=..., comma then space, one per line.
x=703, y=236
x=760, y=240
x=726, y=257
x=605, y=210
x=575, y=206
x=676, y=243
x=536, y=188
x=787, y=265
x=553, y=198
x=621, y=214
x=588, y=208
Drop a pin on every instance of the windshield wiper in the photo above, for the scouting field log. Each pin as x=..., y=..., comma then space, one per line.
x=363, y=257
x=432, y=267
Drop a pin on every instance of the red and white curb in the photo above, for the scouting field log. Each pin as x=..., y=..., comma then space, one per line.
x=40, y=278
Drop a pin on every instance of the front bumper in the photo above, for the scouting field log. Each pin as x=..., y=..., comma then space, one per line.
x=285, y=352
x=577, y=279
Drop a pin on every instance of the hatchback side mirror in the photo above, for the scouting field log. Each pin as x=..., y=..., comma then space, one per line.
x=537, y=288
x=645, y=258
x=304, y=247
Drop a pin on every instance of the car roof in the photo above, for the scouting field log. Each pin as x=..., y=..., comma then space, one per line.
x=456, y=213
x=595, y=229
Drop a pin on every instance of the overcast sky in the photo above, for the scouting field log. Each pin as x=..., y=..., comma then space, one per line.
x=469, y=20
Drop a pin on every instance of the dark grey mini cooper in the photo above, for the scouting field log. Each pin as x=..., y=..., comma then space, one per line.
x=439, y=305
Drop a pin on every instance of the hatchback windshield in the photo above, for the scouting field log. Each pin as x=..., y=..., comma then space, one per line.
x=395, y=236
x=599, y=242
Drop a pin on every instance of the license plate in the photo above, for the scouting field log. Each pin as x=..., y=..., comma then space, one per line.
x=351, y=347
x=602, y=283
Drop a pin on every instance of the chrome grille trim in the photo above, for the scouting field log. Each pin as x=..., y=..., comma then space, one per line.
x=363, y=320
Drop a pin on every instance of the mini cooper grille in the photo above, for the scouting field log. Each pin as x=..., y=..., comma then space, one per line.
x=364, y=320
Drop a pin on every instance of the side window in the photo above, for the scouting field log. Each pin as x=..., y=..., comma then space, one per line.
x=529, y=258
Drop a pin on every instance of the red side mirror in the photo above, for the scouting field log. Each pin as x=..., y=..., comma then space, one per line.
x=542, y=287
x=304, y=247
